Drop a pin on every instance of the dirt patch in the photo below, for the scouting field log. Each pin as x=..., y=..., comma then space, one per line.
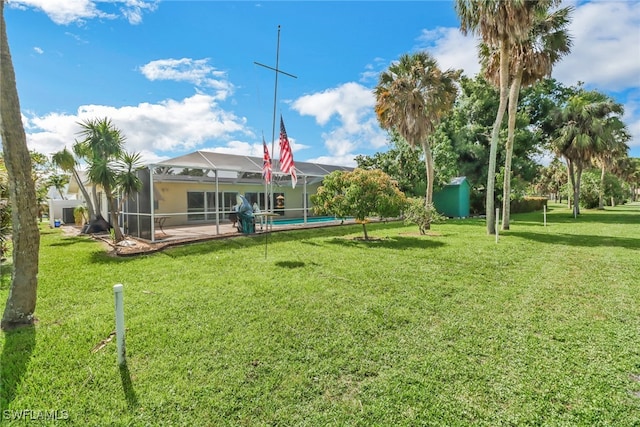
x=130, y=246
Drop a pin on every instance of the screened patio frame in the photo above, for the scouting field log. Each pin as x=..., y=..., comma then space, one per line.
x=217, y=168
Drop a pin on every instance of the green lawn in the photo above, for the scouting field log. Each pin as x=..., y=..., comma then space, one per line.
x=451, y=329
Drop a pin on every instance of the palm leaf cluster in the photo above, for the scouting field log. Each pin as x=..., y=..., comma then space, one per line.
x=589, y=129
x=109, y=166
x=412, y=98
x=521, y=41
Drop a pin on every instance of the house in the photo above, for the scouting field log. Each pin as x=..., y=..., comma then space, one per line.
x=202, y=188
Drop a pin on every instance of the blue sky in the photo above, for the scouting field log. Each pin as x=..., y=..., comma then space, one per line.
x=179, y=76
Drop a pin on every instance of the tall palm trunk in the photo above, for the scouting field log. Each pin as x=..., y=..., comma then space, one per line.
x=513, y=111
x=21, y=303
x=113, y=214
x=601, y=191
x=576, y=190
x=428, y=160
x=495, y=136
x=85, y=194
x=571, y=181
x=94, y=194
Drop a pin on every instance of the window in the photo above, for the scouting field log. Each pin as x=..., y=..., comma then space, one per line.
x=259, y=198
x=195, y=205
x=211, y=206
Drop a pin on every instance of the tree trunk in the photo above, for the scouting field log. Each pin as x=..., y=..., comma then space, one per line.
x=113, y=213
x=572, y=180
x=513, y=111
x=495, y=136
x=85, y=194
x=576, y=195
x=364, y=230
x=601, y=191
x=21, y=303
x=571, y=177
x=428, y=161
x=96, y=203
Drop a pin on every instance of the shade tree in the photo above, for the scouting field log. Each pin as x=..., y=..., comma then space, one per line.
x=361, y=194
x=500, y=25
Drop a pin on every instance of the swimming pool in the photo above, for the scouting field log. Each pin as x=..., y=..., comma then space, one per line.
x=311, y=219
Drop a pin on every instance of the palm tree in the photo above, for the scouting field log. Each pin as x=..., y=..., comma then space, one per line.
x=500, y=24
x=58, y=182
x=532, y=59
x=66, y=161
x=21, y=303
x=127, y=179
x=101, y=147
x=582, y=133
x=615, y=136
x=412, y=97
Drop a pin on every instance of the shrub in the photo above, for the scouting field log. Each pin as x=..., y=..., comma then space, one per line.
x=80, y=214
x=528, y=204
x=590, y=189
x=421, y=215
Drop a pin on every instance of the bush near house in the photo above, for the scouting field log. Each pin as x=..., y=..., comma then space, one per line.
x=528, y=204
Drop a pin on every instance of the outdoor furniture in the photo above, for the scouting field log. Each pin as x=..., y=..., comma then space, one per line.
x=159, y=222
x=266, y=219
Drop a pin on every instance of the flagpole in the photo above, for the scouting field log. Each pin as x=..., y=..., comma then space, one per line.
x=273, y=130
x=275, y=104
x=273, y=122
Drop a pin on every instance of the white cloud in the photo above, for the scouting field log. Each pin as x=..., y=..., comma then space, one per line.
x=166, y=126
x=632, y=117
x=606, y=46
x=352, y=105
x=451, y=49
x=65, y=12
x=372, y=71
x=195, y=71
x=347, y=160
x=605, y=53
x=38, y=50
x=350, y=102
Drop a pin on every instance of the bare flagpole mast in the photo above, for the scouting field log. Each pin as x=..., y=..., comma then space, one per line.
x=273, y=132
x=275, y=103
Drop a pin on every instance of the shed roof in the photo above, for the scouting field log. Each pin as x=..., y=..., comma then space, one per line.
x=458, y=180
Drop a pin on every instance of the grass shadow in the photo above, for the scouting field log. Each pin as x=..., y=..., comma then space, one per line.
x=578, y=240
x=290, y=264
x=253, y=240
x=16, y=353
x=127, y=387
x=396, y=243
x=210, y=246
x=69, y=241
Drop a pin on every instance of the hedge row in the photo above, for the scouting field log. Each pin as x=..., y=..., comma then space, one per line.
x=528, y=204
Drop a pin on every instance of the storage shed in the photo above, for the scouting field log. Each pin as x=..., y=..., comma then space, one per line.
x=453, y=200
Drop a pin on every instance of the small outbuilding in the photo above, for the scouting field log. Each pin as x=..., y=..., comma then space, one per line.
x=453, y=200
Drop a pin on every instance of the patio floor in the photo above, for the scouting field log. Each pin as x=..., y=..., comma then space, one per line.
x=179, y=235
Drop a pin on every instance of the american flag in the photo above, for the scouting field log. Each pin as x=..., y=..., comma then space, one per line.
x=286, y=155
x=266, y=163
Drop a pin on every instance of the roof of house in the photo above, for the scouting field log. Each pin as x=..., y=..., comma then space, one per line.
x=235, y=163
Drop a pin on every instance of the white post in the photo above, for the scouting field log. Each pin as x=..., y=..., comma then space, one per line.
x=117, y=291
x=545, y=214
x=497, y=222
